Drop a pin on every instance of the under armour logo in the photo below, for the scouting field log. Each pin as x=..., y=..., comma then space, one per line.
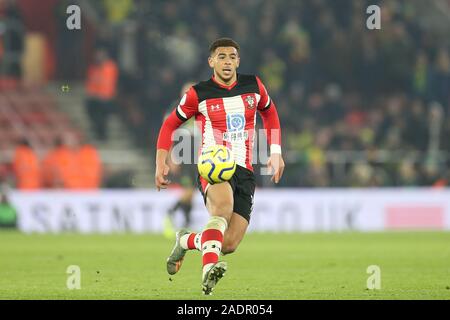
x=215, y=107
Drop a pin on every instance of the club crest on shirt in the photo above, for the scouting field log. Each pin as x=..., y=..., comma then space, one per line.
x=250, y=102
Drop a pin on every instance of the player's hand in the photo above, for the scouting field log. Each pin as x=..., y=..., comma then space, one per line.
x=276, y=166
x=160, y=176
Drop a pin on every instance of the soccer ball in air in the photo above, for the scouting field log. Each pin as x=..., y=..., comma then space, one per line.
x=216, y=164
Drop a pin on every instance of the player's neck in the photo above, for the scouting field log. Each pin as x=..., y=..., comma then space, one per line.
x=224, y=83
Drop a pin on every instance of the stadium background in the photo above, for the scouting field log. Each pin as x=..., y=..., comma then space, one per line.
x=364, y=114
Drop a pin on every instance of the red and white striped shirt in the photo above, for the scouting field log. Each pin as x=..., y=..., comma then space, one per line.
x=227, y=115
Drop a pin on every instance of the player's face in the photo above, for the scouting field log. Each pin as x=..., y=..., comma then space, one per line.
x=225, y=61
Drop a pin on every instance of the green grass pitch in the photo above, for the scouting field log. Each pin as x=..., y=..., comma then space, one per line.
x=265, y=266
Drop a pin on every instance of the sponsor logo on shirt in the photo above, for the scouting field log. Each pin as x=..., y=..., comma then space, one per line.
x=235, y=128
x=235, y=136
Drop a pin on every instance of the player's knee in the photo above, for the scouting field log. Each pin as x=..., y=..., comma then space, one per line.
x=229, y=247
x=222, y=208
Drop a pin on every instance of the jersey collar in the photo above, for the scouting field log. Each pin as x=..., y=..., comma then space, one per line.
x=229, y=87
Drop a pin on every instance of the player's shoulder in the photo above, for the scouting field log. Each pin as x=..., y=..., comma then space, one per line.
x=246, y=83
x=202, y=85
x=250, y=83
x=247, y=78
x=254, y=79
x=243, y=79
x=206, y=89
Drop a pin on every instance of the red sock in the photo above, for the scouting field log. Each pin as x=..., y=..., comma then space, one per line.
x=211, y=246
x=190, y=242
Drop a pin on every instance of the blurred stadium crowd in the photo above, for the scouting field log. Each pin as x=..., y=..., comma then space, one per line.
x=358, y=107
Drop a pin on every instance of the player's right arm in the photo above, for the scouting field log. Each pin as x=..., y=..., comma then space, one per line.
x=187, y=108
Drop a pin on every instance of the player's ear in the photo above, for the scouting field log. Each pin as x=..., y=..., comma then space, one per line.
x=211, y=62
x=238, y=60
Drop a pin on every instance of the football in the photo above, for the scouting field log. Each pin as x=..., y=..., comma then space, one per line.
x=216, y=164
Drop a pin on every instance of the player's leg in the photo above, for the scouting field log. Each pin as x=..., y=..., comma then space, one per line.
x=238, y=193
x=234, y=234
x=219, y=202
x=176, y=257
x=169, y=220
x=173, y=209
x=185, y=240
x=232, y=238
x=188, y=181
x=244, y=189
x=186, y=205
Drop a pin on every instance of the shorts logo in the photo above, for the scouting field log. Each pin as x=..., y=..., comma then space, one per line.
x=235, y=122
x=250, y=102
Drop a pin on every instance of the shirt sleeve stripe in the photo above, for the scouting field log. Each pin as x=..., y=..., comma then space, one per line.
x=181, y=114
x=267, y=104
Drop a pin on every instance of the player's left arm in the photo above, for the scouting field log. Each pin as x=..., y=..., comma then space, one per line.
x=186, y=109
x=271, y=123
